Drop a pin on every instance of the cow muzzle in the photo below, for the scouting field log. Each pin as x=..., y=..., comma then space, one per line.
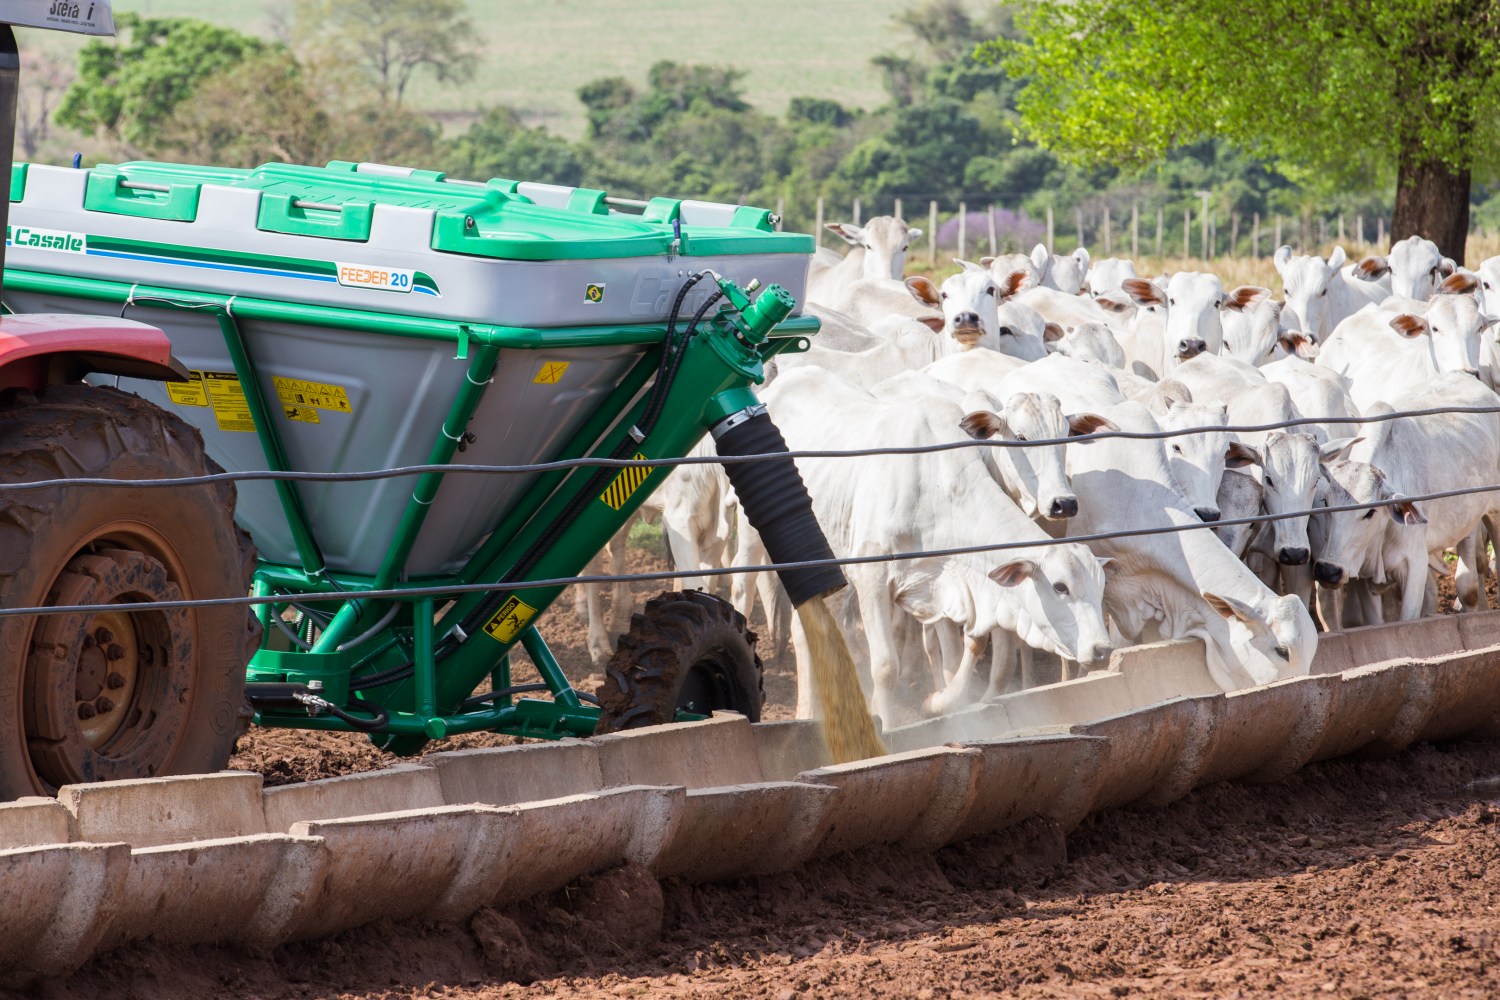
x=1100, y=654
x=1063, y=507
x=968, y=334
x=1208, y=515
x=1190, y=348
x=1292, y=557
x=1328, y=574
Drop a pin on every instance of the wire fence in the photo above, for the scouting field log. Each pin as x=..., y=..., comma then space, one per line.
x=454, y=589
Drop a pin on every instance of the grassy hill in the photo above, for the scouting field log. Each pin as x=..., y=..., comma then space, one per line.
x=540, y=51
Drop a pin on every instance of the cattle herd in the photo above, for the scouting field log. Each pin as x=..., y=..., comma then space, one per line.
x=1043, y=348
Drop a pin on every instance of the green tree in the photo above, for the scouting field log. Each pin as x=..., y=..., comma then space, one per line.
x=499, y=145
x=255, y=111
x=394, y=39
x=1336, y=94
x=128, y=88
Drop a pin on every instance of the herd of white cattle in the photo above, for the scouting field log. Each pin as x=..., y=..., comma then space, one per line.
x=1045, y=347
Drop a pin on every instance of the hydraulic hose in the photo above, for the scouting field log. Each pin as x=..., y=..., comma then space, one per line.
x=288, y=696
x=776, y=502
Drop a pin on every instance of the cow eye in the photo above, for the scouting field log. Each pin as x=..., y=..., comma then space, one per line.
x=1269, y=483
x=1486, y=286
x=943, y=295
x=1323, y=293
x=1283, y=652
x=1369, y=514
x=1020, y=437
x=1171, y=302
x=1177, y=448
x=1061, y=588
x=990, y=290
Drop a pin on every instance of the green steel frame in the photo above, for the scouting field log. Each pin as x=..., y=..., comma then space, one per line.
x=365, y=637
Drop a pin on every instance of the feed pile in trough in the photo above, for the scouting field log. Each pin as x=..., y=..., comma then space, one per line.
x=847, y=727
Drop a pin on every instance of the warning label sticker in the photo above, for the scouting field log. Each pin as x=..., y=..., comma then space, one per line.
x=550, y=372
x=627, y=482
x=189, y=393
x=509, y=620
x=227, y=397
x=306, y=414
x=317, y=395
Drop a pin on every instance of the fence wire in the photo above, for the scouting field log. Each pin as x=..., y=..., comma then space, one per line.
x=562, y=581
x=563, y=465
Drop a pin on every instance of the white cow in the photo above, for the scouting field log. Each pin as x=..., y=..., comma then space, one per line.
x=1066, y=274
x=972, y=312
x=1415, y=265
x=1174, y=323
x=880, y=247
x=1320, y=294
x=1315, y=391
x=1089, y=342
x=1050, y=596
x=1252, y=328
x=1383, y=352
x=1405, y=457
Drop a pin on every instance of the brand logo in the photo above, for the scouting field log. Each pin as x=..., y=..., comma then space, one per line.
x=386, y=279
x=655, y=292
x=62, y=8
x=46, y=239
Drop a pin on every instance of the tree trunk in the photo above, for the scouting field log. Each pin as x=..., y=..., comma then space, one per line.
x=1432, y=200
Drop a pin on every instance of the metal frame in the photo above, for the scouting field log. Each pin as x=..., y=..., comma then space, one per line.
x=367, y=637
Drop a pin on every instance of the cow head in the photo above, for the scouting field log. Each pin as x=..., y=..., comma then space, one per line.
x=1053, y=599
x=1252, y=324
x=1417, y=268
x=1108, y=275
x=1035, y=476
x=1272, y=638
x=1305, y=282
x=1198, y=460
x=885, y=240
x=1352, y=540
x=969, y=301
x=1067, y=274
x=1087, y=342
x=1452, y=326
x=1291, y=466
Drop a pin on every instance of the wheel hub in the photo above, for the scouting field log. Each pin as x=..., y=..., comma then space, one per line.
x=108, y=665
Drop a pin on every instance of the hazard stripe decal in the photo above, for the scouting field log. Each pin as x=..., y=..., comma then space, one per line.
x=626, y=483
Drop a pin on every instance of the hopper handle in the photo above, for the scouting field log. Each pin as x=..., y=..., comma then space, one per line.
x=285, y=213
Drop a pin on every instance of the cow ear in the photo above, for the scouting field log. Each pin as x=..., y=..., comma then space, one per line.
x=1014, y=572
x=1232, y=607
x=1014, y=283
x=1112, y=302
x=981, y=425
x=1082, y=257
x=1052, y=332
x=969, y=265
x=1281, y=259
x=924, y=291
x=1238, y=455
x=1298, y=344
x=986, y=261
x=1460, y=283
x=1088, y=423
x=1142, y=292
x=1041, y=257
x=853, y=235
x=933, y=323
x=1372, y=268
x=1109, y=566
x=1338, y=449
x=1167, y=394
x=1337, y=258
x=913, y=234
x=1245, y=296
x=1447, y=267
x=1409, y=326
x=1406, y=512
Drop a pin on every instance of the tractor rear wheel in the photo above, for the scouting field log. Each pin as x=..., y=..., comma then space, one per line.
x=90, y=696
x=687, y=650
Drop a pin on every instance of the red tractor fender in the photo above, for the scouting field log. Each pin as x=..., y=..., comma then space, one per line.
x=38, y=349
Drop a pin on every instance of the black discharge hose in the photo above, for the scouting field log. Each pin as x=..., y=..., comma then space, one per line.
x=776, y=502
x=671, y=360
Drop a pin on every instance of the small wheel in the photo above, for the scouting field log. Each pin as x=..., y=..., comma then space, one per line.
x=115, y=694
x=687, y=650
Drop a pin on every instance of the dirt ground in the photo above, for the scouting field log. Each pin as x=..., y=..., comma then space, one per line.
x=1356, y=878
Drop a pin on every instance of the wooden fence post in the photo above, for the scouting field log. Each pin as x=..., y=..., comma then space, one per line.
x=1049, y=229
x=1234, y=234
x=1276, y=242
x=780, y=213
x=963, y=231
x=1380, y=232
x=856, y=212
x=1135, y=228
x=1322, y=231
x=994, y=234
x=1108, y=249
x=1255, y=235
x=1359, y=229
x=932, y=234
x=818, y=226
x=1187, y=233
x=1341, y=227
x=898, y=210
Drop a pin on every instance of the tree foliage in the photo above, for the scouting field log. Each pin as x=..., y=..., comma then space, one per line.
x=392, y=40
x=128, y=88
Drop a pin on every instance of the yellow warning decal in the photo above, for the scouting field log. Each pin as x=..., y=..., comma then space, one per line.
x=189, y=393
x=306, y=414
x=551, y=372
x=627, y=482
x=227, y=397
x=320, y=395
x=509, y=620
